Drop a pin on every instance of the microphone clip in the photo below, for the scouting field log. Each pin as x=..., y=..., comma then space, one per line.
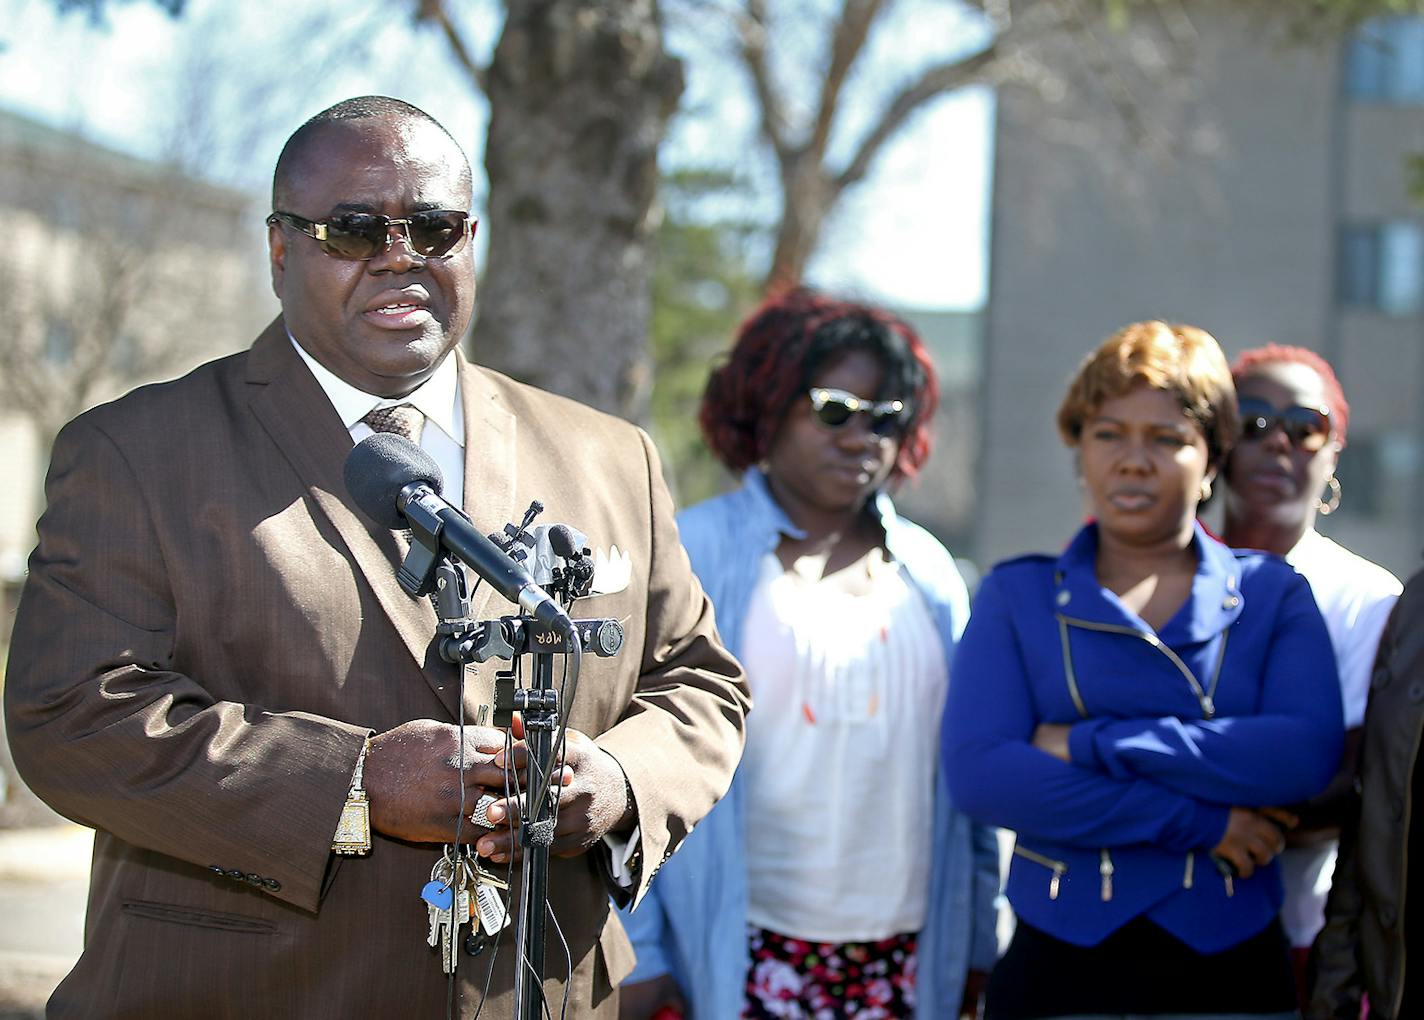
x=417, y=572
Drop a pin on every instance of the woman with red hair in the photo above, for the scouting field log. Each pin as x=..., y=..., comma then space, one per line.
x=1279, y=477
x=835, y=878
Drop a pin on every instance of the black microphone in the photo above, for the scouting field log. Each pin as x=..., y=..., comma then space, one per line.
x=397, y=484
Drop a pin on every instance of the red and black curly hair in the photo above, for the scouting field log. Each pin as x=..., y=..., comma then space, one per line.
x=778, y=352
x=1284, y=354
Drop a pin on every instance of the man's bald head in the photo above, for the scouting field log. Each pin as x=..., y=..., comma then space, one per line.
x=384, y=108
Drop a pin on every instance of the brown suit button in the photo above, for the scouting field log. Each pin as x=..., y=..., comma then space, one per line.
x=218, y=869
x=235, y=873
x=272, y=884
x=253, y=879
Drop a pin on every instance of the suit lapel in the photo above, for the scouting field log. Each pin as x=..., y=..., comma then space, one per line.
x=489, y=499
x=490, y=465
x=296, y=413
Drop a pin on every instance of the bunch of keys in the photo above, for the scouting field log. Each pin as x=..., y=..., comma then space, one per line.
x=460, y=890
x=447, y=898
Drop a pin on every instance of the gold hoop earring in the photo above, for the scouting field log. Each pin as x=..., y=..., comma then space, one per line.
x=1330, y=504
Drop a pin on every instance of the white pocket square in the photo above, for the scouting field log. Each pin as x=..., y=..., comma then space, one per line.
x=612, y=570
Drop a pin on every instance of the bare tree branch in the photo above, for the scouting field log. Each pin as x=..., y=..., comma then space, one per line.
x=434, y=12
x=847, y=42
x=754, y=23
x=934, y=81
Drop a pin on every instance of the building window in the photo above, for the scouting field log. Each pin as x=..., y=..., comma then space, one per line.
x=1385, y=61
x=1381, y=267
x=1378, y=474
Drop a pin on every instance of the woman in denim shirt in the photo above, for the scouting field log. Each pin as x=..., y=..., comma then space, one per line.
x=835, y=875
x=1134, y=707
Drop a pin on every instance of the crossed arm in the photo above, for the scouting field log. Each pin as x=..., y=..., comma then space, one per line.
x=1114, y=782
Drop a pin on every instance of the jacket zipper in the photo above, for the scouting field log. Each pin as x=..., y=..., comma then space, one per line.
x=1058, y=868
x=1205, y=696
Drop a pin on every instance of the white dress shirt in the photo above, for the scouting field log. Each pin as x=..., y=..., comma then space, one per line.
x=438, y=398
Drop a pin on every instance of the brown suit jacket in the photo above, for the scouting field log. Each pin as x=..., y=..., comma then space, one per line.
x=208, y=632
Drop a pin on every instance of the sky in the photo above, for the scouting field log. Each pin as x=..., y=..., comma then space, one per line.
x=914, y=235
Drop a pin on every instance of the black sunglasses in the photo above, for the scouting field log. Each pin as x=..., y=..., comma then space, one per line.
x=357, y=236
x=835, y=408
x=1308, y=428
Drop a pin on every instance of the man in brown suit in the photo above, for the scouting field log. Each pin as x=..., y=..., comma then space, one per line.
x=209, y=634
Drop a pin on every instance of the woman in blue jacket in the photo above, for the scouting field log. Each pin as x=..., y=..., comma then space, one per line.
x=835, y=878
x=1134, y=707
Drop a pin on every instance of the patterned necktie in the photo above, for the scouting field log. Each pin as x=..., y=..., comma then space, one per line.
x=403, y=420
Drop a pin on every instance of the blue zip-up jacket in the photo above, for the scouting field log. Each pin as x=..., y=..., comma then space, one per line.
x=692, y=922
x=1234, y=703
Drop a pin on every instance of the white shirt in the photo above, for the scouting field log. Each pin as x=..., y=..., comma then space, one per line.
x=1355, y=597
x=438, y=398
x=848, y=676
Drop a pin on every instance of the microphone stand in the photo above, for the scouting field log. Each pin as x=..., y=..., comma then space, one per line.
x=429, y=569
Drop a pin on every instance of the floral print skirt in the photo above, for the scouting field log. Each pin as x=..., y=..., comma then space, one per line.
x=799, y=980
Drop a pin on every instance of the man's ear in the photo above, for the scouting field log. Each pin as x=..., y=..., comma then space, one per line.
x=277, y=256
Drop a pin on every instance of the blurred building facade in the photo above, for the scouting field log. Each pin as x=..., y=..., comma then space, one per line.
x=122, y=272
x=1283, y=213
x=941, y=498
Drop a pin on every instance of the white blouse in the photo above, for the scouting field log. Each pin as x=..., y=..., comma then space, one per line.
x=848, y=681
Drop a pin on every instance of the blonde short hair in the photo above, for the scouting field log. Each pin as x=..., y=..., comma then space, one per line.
x=1183, y=360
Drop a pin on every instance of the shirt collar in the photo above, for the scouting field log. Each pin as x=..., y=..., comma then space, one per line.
x=754, y=482
x=1215, y=603
x=438, y=398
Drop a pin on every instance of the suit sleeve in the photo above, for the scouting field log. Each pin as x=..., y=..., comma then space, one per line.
x=997, y=776
x=1285, y=753
x=1336, y=978
x=106, y=731
x=680, y=738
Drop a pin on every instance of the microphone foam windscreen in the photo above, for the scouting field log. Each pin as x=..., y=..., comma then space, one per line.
x=561, y=540
x=380, y=467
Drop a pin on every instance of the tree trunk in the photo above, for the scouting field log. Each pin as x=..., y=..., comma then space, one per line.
x=806, y=198
x=580, y=92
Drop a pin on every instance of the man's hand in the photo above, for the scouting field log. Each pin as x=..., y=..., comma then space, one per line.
x=1251, y=841
x=413, y=782
x=593, y=801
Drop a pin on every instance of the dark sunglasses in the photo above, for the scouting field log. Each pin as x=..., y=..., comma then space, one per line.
x=432, y=233
x=835, y=408
x=1308, y=428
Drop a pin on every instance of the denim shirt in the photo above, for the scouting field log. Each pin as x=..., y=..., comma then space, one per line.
x=692, y=923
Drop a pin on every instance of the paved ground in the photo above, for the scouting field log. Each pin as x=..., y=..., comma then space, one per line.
x=44, y=873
